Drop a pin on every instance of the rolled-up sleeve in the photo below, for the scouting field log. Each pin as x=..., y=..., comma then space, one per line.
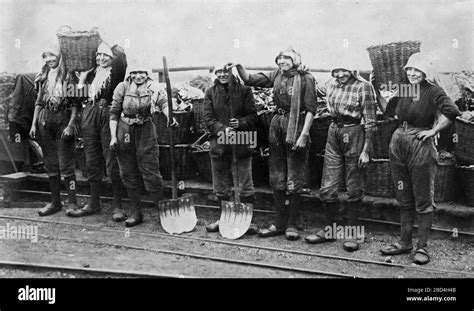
x=117, y=101
x=445, y=105
x=260, y=80
x=368, y=103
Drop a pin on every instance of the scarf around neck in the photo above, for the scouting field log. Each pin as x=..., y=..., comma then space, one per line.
x=292, y=129
x=102, y=76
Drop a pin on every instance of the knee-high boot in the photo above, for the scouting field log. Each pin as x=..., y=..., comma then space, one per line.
x=136, y=215
x=55, y=205
x=118, y=212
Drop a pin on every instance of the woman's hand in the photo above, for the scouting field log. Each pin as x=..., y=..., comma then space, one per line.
x=363, y=159
x=113, y=144
x=33, y=131
x=423, y=135
x=174, y=123
x=67, y=133
x=300, y=143
x=234, y=123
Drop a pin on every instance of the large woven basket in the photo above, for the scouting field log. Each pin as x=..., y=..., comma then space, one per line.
x=78, y=47
x=260, y=172
x=464, y=149
x=388, y=61
x=319, y=134
x=202, y=159
x=198, y=116
x=466, y=174
x=382, y=138
x=446, y=183
x=181, y=134
x=378, y=179
x=183, y=168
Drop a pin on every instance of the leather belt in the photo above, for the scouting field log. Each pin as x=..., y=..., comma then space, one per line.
x=283, y=112
x=101, y=102
x=345, y=121
x=406, y=126
x=137, y=119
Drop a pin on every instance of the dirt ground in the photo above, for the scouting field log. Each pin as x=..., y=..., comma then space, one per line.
x=87, y=247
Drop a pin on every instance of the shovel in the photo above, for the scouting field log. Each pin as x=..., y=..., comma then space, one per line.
x=235, y=216
x=177, y=215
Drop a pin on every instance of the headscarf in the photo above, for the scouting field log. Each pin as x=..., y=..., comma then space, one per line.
x=423, y=63
x=104, y=48
x=290, y=52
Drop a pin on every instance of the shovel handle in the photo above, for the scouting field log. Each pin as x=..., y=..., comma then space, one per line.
x=171, y=116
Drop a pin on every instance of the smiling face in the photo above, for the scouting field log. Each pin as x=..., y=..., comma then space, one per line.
x=139, y=77
x=223, y=76
x=103, y=60
x=342, y=75
x=51, y=60
x=414, y=75
x=285, y=63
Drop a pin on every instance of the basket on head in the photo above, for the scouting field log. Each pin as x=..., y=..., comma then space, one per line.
x=78, y=47
x=388, y=61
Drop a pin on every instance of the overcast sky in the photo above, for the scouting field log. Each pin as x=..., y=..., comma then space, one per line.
x=193, y=33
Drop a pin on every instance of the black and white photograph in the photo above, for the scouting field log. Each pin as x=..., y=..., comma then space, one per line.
x=313, y=144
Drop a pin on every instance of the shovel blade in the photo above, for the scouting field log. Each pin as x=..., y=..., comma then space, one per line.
x=188, y=220
x=178, y=215
x=168, y=217
x=235, y=219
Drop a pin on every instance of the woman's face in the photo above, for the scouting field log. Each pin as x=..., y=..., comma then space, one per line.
x=285, y=63
x=139, y=77
x=342, y=75
x=103, y=60
x=51, y=60
x=414, y=75
x=223, y=76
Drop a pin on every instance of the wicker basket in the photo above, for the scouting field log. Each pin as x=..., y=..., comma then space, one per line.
x=378, y=179
x=183, y=168
x=382, y=138
x=388, y=61
x=198, y=113
x=446, y=185
x=78, y=47
x=260, y=172
x=202, y=159
x=466, y=174
x=263, y=127
x=464, y=149
x=181, y=134
x=319, y=134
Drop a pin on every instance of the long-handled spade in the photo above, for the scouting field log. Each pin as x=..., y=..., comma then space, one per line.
x=235, y=216
x=177, y=215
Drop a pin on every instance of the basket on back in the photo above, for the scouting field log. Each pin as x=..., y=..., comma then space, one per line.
x=78, y=47
x=388, y=61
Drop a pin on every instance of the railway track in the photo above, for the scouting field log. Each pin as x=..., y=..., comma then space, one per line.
x=374, y=221
x=93, y=272
x=323, y=259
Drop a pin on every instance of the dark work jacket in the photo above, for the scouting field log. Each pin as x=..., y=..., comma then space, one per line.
x=217, y=114
x=119, y=67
